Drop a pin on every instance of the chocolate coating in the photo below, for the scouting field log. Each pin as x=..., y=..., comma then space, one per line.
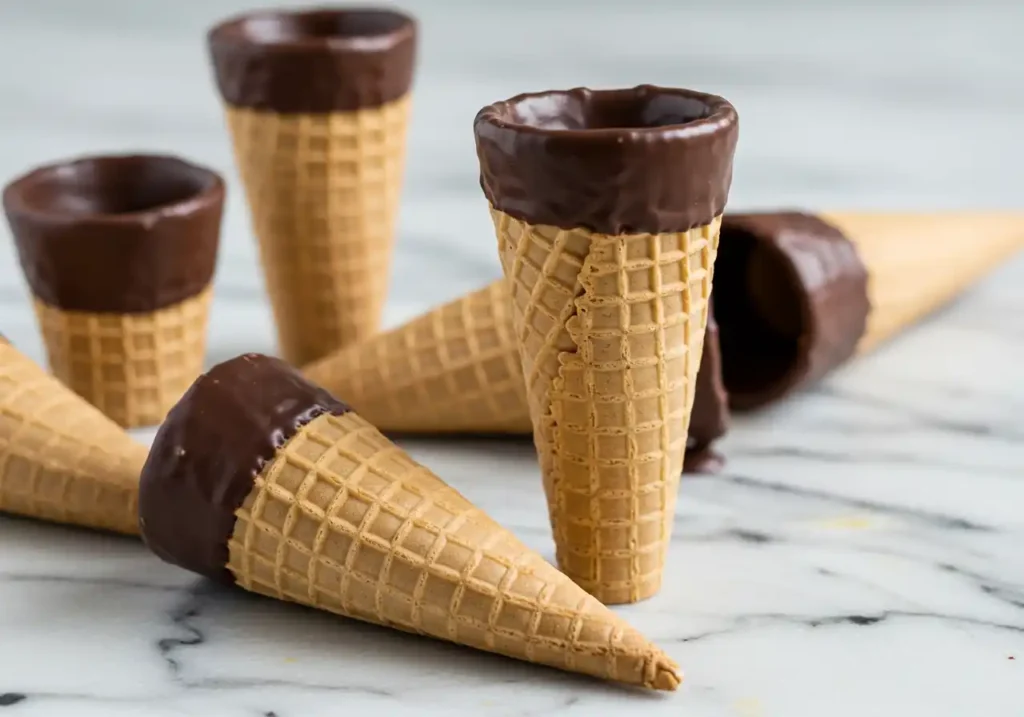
x=209, y=450
x=124, y=234
x=709, y=419
x=646, y=159
x=314, y=61
x=790, y=295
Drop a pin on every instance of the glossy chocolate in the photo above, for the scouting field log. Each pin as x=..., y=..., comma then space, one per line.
x=314, y=61
x=791, y=300
x=207, y=454
x=646, y=159
x=123, y=234
x=709, y=419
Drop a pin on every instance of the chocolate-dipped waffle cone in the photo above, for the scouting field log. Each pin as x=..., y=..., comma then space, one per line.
x=799, y=294
x=317, y=103
x=607, y=238
x=119, y=253
x=289, y=493
x=61, y=459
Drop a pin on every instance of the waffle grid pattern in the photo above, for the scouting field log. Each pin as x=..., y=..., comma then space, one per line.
x=323, y=193
x=133, y=367
x=611, y=330
x=344, y=520
x=454, y=369
x=60, y=459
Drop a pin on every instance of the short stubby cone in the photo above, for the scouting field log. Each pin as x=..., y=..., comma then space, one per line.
x=798, y=294
x=288, y=492
x=456, y=369
x=62, y=460
x=119, y=252
x=607, y=206
x=317, y=104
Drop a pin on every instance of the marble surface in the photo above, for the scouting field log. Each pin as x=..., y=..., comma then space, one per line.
x=862, y=550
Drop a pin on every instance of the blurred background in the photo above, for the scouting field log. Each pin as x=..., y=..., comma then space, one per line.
x=868, y=105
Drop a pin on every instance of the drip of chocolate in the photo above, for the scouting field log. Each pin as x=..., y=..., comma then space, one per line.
x=208, y=452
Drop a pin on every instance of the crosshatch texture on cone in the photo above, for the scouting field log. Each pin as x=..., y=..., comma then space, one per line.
x=60, y=458
x=611, y=331
x=323, y=192
x=133, y=367
x=343, y=520
x=453, y=369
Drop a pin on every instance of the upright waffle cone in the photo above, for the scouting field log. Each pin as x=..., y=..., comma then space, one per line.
x=343, y=520
x=60, y=458
x=454, y=369
x=918, y=262
x=323, y=192
x=133, y=367
x=611, y=332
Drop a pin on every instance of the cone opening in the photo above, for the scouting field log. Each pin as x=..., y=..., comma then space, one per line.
x=761, y=313
x=350, y=27
x=113, y=187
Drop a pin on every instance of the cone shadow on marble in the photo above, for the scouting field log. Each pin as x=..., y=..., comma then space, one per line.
x=291, y=494
x=798, y=294
x=317, y=104
x=119, y=253
x=606, y=206
x=62, y=460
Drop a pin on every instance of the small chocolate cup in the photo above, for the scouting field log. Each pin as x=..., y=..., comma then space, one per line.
x=119, y=252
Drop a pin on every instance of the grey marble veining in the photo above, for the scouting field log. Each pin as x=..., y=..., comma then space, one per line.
x=860, y=554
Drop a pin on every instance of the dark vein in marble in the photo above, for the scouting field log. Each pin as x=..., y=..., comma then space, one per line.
x=936, y=519
x=181, y=617
x=1003, y=592
x=83, y=580
x=8, y=699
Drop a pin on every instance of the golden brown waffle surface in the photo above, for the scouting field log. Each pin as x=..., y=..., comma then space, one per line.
x=342, y=519
x=60, y=458
x=611, y=332
x=454, y=369
x=133, y=367
x=323, y=193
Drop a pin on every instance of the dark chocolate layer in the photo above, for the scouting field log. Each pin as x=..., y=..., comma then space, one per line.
x=124, y=234
x=314, y=61
x=209, y=450
x=646, y=159
x=791, y=300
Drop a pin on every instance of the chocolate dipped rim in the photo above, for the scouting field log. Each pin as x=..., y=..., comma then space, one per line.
x=790, y=296
x=121, y=234
x=209, y=450
x=641, y=160
x=314, y=60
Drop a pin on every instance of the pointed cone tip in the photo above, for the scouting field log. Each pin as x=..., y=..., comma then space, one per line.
x=667, y=675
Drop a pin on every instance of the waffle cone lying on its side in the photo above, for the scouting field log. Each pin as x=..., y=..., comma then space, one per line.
x=60, y=458
x=317, y=103
x=798, y=294
x=456, y=369
x=289, y=493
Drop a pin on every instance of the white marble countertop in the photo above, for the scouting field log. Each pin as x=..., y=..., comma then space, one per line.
x=862, y=552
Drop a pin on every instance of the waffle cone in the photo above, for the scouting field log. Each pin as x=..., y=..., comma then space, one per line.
x=323, y=192
x=918, y=262
x=60, y=458
x=611, y=332
x=343, y=520
x=133, y=367
x=454, y=369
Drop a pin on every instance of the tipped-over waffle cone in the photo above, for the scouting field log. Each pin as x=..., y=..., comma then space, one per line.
x=323, y=192
x=454, y=369
x=133, y=367
x=60, y=458
x=918, y=262
x=611, y=332
x=343, y=520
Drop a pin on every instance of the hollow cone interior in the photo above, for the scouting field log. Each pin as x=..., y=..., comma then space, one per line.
x=60, y=458
x=453, y=369
x=323, y=192
x=918, y=262
x=611, y=332
x=133, y=367
x=343, y=520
